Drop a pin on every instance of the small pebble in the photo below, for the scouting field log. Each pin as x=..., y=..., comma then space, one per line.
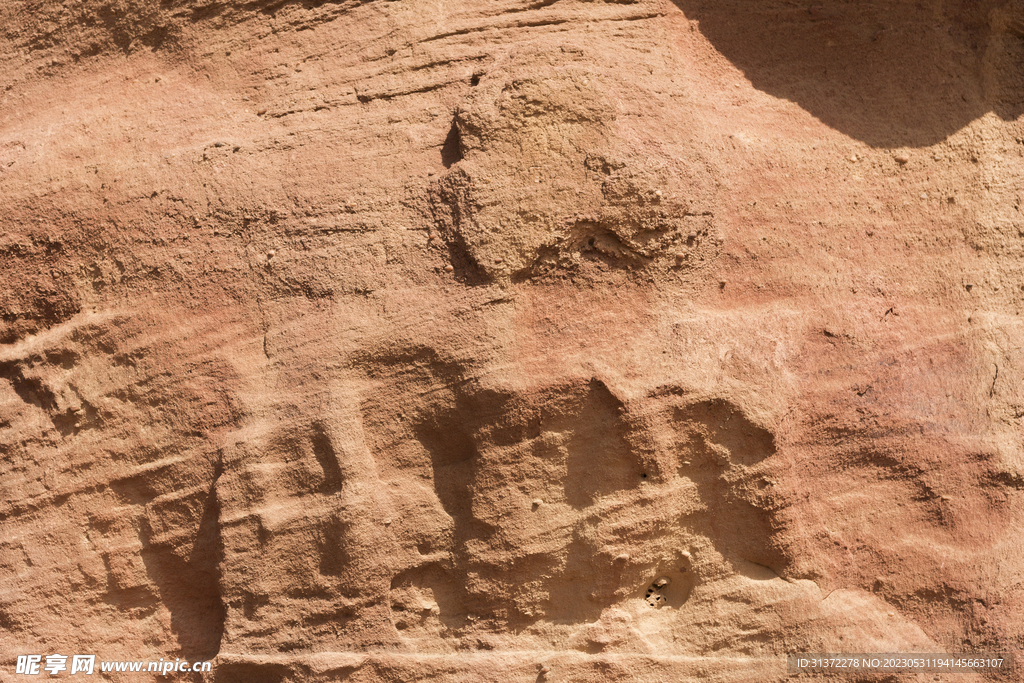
x=624, y=557
x=271, y=254
x=662, y=582
x=924, y=195
x=537, y=502
x=680, y=257
x=657, y=192
x=261, y=112
x=449, y=268
x=901, y=158
x=387, y=522
x=545, y=669
x=498, y=260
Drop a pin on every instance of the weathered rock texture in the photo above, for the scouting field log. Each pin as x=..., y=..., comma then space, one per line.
x=417, y=340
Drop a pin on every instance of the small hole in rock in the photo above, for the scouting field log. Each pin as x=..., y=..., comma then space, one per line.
x=475, y=80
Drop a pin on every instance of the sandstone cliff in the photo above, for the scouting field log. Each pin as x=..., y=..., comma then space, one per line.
x=420, y=340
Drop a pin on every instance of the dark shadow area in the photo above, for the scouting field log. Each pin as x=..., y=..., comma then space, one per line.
x=724, y=424
x=599, y=460
x=274, y=6
x=720, y=451
x=190, y=589
x=451, y=150
x=455, y=462
x=31, y=390
x=566, y=443
x=454, y=459
x=34, y=391
x=889, y=74
x=323, y=449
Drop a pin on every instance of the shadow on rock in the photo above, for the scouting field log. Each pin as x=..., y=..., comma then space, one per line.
x=889, y=74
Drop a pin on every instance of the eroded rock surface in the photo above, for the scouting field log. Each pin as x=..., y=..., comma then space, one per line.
x=564, y=341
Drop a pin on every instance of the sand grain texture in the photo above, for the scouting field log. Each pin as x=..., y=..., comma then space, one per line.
x=420, y=341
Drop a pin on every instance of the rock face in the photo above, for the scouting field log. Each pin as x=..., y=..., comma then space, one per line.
x=569, y=341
